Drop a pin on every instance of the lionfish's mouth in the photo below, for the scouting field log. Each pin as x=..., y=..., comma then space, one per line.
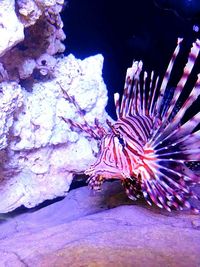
x=95, y=182
x=95, y=179
x=98, y=175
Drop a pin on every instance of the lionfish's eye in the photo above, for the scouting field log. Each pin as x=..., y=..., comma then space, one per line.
x=121, y=140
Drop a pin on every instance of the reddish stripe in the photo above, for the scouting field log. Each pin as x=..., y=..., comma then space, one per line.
x=128, y=160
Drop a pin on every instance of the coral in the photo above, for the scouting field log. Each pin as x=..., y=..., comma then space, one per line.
x=43, y=152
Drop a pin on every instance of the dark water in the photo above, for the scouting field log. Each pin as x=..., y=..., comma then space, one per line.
x=123, y=31
x=187, y=9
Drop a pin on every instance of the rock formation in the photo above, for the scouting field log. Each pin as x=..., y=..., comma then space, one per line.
x=39, y=152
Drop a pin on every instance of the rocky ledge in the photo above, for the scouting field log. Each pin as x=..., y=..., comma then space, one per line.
x=101, y=229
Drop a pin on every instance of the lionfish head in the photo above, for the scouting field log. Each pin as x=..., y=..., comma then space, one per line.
x=107, y=165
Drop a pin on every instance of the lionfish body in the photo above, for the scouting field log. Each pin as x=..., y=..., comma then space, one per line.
x=147, y=148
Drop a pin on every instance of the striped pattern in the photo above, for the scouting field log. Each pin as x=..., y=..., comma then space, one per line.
x=148, y=146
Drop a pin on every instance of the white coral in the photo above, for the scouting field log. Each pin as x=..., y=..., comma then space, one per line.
x=11, y=100
x=39, y=153
x=43, y=150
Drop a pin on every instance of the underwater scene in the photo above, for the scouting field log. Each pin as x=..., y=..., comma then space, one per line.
x=100, y=133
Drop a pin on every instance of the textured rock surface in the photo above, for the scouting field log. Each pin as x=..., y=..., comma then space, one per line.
x=104, y=229
x=37, y=29
x=39, y=152
x=10, y=101
x=11, y=30
x=31, y=10
x=42, y=152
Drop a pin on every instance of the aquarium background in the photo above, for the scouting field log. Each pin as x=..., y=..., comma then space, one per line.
x=128, y=31
x=82, y=227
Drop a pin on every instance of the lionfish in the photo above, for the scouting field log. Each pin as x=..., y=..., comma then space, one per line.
x=149, y=145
